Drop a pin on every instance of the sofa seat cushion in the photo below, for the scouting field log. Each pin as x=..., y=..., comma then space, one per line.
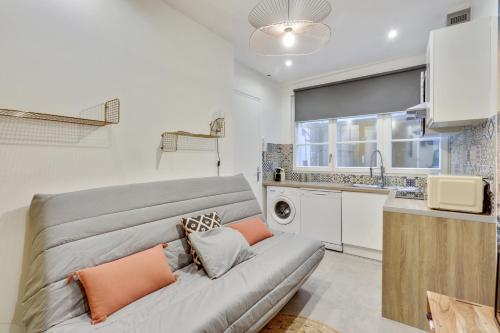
x=232, y=303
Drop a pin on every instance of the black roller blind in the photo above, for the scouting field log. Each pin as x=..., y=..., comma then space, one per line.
x=389, y=92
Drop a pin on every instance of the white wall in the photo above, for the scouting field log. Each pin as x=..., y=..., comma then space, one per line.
x=482, y=8
x=249, y=82
x=346, y=74
x=63, y=56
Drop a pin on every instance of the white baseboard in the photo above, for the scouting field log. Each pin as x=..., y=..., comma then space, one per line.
x=334, y=247
x=363, y=252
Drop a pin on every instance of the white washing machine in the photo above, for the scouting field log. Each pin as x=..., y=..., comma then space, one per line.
x=283, y=209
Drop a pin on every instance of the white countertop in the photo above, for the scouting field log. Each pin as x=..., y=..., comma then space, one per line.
x=326, y=186
x=419, y=207
x=393, y=204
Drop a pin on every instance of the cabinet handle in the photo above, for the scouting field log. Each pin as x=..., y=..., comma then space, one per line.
x=432, y=326
x=431, y=322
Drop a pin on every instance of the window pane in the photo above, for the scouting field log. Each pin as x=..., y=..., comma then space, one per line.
x=404, y=154
x=312, y=132
x=355, y=154
x=357, y=129
x=404, y=129
x=312, y=155
x=429, y=154
x=416, y=154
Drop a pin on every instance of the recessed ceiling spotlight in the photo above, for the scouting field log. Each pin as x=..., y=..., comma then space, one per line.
x=392, y=34
x=288, y=63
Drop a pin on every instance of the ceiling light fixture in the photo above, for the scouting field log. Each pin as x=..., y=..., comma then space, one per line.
x=288, y=63
x=289, y=38
x=393, y=33
x=289, y=27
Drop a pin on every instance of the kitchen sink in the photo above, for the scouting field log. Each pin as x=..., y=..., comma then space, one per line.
x=392, y=188
x=370, y=186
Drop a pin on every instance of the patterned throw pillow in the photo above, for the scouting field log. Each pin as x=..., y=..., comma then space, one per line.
x=199, y=224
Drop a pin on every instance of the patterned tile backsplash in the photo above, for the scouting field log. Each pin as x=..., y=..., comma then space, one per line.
x=498, y=178
x=281, y=156
x=471, y=151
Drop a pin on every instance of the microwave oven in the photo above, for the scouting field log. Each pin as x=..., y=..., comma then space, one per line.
x=456, y=193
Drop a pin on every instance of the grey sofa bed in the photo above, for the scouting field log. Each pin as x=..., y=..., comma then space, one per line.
x=87, y=228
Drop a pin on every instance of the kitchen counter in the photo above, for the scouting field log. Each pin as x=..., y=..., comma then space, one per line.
x=419, y=207
x=327, y=186
x=392, y=204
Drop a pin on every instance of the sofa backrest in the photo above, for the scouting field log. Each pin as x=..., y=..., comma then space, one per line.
x=87, y=228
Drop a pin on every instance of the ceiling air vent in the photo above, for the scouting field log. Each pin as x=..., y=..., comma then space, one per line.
x=458, y=17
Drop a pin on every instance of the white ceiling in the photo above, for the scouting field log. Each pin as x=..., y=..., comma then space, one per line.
x=359, y=32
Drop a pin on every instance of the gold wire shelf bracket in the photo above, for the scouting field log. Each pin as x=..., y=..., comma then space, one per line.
x=218, y=128
x=172, y=141
x=110, y=115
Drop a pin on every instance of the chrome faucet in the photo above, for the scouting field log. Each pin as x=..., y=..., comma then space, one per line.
x=382, y=169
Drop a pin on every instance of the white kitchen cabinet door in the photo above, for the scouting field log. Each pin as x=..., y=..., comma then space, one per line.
x=321, y=216
x=362, y=219
x=461, y=73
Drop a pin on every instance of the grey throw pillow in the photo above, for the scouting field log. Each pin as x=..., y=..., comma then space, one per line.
x=220, y=249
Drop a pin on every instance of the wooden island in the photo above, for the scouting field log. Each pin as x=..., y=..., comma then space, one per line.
x=448, y=255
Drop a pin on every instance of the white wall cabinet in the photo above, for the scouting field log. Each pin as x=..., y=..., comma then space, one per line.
x=362, y=223
x=321, y=217
x=462, y=73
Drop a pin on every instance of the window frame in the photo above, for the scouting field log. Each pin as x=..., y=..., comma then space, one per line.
x=325, y=169
x=384, y=144
x=355, y=170
x=443, y=153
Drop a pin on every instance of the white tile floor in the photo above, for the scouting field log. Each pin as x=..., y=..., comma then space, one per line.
x=346, y=293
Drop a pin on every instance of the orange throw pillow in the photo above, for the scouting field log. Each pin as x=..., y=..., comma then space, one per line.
x=254, y=230
x=111, y=286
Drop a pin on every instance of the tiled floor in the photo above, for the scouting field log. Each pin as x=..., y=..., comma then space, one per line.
x=346, y=293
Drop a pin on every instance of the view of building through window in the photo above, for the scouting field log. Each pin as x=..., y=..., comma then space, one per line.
x=409, y=149
x=356, y=140
x=350, y=143
x=312, y=144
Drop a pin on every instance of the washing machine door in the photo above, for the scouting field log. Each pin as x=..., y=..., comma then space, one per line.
x=283, y=210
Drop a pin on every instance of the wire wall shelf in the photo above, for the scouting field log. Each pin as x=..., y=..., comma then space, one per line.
x=180, y=140
x=105, y=114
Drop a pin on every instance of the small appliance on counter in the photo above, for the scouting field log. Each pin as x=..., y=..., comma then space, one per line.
x=279, y=175
x=456, y=193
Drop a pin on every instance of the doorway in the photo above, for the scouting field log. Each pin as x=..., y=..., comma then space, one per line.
x=248, y=140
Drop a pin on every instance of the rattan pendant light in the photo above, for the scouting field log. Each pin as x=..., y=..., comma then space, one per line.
x=289, y=27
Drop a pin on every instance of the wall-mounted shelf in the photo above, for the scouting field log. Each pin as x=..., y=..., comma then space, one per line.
x=193, y=135
x=110, y=115
x=181, y=140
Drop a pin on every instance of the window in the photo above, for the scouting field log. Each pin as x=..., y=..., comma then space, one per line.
x=356, y=140
x=409, y=149
x=312, y=144
x=350, y=143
